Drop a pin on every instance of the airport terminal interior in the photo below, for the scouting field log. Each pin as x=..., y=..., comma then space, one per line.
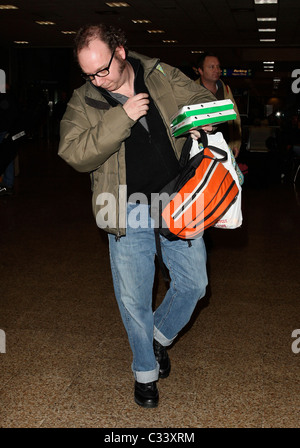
x=65, y=361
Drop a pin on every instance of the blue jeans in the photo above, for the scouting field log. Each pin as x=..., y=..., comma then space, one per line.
x=133, y=269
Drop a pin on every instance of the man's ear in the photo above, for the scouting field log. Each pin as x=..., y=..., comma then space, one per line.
x=120, y=51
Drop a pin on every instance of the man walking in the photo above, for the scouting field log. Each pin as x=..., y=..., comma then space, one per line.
x=117, y=127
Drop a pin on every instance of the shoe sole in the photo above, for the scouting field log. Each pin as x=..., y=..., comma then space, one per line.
x=146, y=404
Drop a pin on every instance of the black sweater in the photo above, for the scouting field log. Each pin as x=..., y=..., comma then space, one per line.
x=150, y=159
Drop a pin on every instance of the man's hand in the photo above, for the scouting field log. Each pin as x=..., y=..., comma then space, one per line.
x=235, y=151
x=196, y=134
x=137, y=106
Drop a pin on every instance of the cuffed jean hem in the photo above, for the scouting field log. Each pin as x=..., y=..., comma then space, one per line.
x=159, y=337
x=148, y=376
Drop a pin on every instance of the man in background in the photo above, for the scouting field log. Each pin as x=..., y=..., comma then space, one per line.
x=208, y=67
x=10, y=127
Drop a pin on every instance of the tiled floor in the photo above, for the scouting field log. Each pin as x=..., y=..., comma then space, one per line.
x=67, y=360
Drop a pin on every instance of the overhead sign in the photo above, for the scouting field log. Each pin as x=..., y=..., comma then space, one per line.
x=237, y=72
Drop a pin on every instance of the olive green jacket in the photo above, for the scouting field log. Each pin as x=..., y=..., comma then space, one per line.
x=92, y=135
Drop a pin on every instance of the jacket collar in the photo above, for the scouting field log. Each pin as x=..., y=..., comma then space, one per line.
x=91, y=92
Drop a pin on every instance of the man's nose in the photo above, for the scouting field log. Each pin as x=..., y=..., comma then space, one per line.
x=97, y=81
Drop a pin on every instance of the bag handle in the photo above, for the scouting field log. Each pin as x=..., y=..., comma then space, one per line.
x=185, y=154
x=219, y=151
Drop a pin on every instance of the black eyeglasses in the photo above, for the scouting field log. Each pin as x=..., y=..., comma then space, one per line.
x=101, y=73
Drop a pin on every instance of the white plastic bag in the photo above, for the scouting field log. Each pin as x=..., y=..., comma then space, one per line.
x=233, y=218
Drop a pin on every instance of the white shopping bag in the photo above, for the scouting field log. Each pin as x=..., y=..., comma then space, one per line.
x=233, y=218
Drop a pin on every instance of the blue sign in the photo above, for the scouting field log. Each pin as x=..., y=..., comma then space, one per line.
x=237, y=72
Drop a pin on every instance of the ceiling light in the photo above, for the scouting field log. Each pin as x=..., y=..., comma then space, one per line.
x=21, y=42
x=265, y=2
x=141, y=21
x=267, y=30
x=171, y=41
x=267, y=40
x=197, y=51
x=68, y=32
x=44, y=22
x=266, y=19
x=268, y=62
x=8, y=7
x=155, y=31
x=117, y=4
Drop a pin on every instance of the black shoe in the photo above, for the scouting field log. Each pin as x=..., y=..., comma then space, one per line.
x=6, y=190
x=146, y=394
x=163, y=359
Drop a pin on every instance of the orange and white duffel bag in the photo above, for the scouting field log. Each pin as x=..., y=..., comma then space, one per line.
x=206, y=193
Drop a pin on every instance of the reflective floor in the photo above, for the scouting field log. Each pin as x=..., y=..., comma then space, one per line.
x=67, y=360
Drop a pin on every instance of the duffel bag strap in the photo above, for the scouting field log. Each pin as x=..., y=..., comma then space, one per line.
x=163, y=268
x=186, y=149
x=162, y=265
x=219, y=151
